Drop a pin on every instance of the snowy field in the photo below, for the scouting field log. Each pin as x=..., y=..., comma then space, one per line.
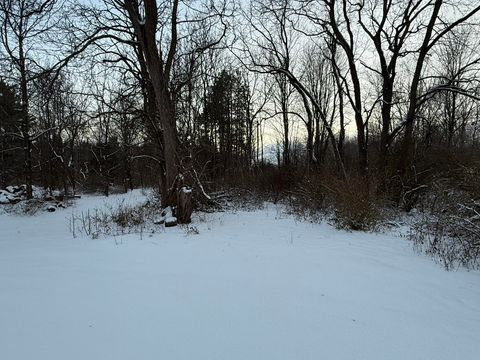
x=250, y=286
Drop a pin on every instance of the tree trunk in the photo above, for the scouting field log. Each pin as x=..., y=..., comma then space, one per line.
x=158, y=72
x=408, y=141
x=27, y=143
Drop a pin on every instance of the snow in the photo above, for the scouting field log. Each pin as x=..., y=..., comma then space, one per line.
x=251, y=285
x=167, y=211
x=170, y=221
x=186, y=190
x=4, y=199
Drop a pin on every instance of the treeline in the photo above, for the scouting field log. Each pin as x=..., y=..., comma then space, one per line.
x=377, y=100
x=88, y=142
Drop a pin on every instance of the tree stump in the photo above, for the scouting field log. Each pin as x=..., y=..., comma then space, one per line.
x=184, y=205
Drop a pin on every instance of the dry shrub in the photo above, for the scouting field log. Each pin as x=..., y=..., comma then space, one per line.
x=278, y=180
x=355, y=207
x=29, y=207
x=264, y=178
x=248, y=189
x=310, y=194
x=128, y=216
x=349, y=201
x=449, y=228
x=118, y=219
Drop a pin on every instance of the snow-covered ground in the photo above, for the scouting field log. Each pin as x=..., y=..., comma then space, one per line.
x=250, y=286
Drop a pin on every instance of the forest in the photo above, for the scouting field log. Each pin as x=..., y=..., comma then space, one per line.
x=360, y=108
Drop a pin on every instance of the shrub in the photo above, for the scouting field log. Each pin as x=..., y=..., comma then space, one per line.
x=449, y=229
x=355, y=207
x=119, y=219
x=349, y=201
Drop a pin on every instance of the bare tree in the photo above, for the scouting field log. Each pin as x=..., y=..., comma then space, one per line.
x=22, y=23
x=158, y=60
x=435, y=30
x=333, y=17
x=274, y=26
